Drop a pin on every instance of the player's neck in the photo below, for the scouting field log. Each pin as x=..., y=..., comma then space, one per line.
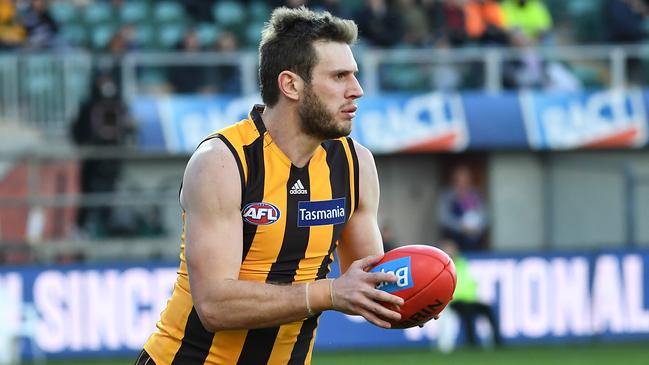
x=283, y=125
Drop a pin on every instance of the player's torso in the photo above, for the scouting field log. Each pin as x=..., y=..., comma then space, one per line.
x=292, y=219
x=293, y=216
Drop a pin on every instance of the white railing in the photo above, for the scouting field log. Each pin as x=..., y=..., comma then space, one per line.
x=44, y=90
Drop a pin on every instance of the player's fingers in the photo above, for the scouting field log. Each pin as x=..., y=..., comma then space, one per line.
x=381, y=277
x=370, y=317
x=381, y=311
x=381, y=296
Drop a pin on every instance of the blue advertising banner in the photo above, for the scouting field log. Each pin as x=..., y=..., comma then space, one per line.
x=406, y=122
x=602, y=119
x=110, y=310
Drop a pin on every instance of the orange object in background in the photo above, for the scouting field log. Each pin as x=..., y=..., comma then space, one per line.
x=478, y=15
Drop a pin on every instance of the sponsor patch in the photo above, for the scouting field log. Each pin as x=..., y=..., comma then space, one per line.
x=321, y=212
x=260, y=213
x=401, y=269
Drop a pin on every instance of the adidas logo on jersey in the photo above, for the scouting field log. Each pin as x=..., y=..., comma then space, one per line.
x=297, y=188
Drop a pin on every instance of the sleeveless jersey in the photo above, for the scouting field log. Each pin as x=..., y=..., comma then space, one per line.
x=292, y=219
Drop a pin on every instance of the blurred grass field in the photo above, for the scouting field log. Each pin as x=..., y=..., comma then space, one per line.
x=587, y=354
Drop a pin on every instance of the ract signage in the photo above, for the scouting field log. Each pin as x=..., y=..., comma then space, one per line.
x=605, y=119
x=425, y=122
x=408, y=122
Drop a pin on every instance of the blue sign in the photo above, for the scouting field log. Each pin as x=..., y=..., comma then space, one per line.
x=407, y=122
x=602, y=119
x=411, y=123
x=321, y=212
x=110, y=310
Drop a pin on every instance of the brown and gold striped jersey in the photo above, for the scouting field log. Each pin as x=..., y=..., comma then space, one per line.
x=292, y=219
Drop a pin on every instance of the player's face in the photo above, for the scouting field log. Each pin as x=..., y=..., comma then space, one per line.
x=328, y=103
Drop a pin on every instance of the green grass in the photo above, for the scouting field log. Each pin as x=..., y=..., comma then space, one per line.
x=594, y=354
x=591, y=354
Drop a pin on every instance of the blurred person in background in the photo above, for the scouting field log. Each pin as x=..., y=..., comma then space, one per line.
x=335, y=7
x=527, y=70
x=102, y=121
x=227, y=77
x=41, y=28
x=256, y=247
x=415, y=24
x=446, y=29
x=626, y=23
x=199, y=10
x=189, y=78
x=122, y=41
x=461, y=211
x=531, y=17
x=465, y=302
x=12, y=33
x=447, y=21
x=625, y=20
x=485, y=22
x=531, y=71
x=294, y=4
x=379, y=24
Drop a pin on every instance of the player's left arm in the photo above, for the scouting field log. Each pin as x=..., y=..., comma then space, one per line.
x=361, y=236
x=360, y=247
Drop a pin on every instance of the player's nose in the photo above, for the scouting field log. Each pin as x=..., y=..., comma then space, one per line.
x=354, y=89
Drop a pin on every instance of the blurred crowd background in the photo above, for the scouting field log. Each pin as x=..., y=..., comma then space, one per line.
x=69, y=70
x=117, y=27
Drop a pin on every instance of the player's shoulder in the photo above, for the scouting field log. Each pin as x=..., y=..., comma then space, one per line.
x=243, y=132
x=211, y=153
x=363, y=153
x=212, y=162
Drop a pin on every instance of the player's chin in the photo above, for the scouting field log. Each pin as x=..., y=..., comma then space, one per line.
x=345, y=126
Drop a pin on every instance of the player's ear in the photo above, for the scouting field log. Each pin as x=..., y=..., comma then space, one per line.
x=290, y=84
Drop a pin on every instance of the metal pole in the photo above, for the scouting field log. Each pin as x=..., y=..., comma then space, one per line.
x=370, y=72
x=248, y=67
x=618, y=68
x=493, y=71
x=548, y=202
x=629, y=205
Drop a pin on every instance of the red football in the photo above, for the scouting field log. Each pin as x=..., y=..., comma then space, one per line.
x=426, y=281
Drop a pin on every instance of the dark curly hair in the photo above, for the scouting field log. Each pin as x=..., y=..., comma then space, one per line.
x=287, y=44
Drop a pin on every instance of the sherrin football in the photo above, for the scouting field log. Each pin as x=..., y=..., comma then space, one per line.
x=426, y=281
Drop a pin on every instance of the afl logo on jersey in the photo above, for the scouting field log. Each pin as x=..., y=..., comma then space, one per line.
x=260, y=213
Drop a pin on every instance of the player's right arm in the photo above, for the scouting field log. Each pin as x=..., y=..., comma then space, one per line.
x=211, y=198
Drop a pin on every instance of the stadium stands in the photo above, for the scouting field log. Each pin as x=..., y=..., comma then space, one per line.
x=140, y=42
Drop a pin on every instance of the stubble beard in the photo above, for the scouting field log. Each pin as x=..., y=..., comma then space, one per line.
x=317, y=121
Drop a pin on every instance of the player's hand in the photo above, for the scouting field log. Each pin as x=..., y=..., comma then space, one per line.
x=355, y=293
